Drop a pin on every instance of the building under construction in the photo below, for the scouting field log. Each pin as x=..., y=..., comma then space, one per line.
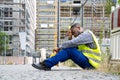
x=17, y=19
x=54, y=19
x=46, y=32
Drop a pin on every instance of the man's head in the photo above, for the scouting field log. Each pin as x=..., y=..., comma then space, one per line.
x=76, y=29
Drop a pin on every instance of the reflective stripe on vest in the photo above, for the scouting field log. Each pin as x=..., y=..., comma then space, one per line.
x=94, y=55
x=88, y=51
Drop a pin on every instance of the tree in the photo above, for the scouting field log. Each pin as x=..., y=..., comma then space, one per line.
x=108, y=5
x=118, y=1
x=2, y=42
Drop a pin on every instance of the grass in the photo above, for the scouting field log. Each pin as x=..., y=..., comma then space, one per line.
x=108, y=67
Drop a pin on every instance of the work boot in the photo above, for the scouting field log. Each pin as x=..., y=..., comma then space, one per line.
x=41, y=66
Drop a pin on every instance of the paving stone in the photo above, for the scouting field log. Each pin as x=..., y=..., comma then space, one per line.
x=27, y=72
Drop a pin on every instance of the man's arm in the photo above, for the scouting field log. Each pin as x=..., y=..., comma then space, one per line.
x=83, y=38
x=69, y=35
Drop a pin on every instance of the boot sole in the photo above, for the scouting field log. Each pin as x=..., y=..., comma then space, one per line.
x=46, y=69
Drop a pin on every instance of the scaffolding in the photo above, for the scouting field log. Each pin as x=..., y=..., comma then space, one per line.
x=96, y=17
x=46, y=32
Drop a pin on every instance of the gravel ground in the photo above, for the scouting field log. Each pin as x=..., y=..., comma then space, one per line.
x=27, y=72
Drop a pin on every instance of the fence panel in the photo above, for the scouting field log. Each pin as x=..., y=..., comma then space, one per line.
x=15, y=60
x=115, y=45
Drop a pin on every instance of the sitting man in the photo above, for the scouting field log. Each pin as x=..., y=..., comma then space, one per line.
x=83, y=49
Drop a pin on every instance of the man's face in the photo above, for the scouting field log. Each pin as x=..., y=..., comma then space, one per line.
x=75, y=31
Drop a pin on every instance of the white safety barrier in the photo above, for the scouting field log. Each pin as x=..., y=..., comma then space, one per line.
x=115, y=45
x=43, y=54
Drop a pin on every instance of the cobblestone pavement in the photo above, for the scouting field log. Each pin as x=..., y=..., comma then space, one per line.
x=27, y=72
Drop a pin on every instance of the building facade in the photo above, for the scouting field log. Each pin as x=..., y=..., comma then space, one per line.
x=18, y=20
x=92, y=16
x=46, y=32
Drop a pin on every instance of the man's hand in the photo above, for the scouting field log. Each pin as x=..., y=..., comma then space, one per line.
x=69, y=34
x=56, y=50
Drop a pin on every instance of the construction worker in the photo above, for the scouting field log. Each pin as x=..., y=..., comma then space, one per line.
x=83, y=49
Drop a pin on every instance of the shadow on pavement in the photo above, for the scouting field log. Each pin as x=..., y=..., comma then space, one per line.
x=66, y=70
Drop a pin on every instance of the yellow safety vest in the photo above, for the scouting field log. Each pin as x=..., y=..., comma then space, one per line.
x=93, y=55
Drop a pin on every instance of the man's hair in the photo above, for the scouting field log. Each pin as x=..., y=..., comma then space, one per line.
x=75, y=25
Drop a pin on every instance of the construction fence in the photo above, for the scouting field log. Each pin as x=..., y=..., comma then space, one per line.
x=9, y=60
x=115, y=45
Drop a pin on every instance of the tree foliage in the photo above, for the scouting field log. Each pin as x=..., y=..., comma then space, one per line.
x=2, y=41
x=118, y=1
x=108, y=5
